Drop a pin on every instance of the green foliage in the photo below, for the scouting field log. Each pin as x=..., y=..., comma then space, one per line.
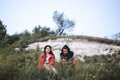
x=2, y=34
x=24, y=40
x=23, y=66
x=2, y=30
x=107, y=66
x=25, y=35
x=36, y=32
x=9, y=40
x=45, y=32
x=23, y=43
x=41, y=32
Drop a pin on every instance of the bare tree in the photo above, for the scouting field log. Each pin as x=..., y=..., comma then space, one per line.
x=116, y=36
x=62, y=23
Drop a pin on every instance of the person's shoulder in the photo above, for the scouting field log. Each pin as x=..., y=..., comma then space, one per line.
x=42, y=54
x=52, y=56
x=71, y=52
x=61, y=53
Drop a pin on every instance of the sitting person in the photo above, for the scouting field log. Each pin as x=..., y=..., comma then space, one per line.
x=66, y=56
x=47, y=59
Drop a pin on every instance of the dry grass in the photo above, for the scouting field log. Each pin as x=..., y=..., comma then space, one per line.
x=88, y=38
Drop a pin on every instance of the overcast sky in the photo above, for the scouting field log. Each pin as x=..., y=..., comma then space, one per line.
x=92, y=17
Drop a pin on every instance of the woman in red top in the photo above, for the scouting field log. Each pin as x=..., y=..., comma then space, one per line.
x=47, y=59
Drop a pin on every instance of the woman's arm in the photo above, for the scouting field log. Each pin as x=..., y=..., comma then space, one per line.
x=41, y=61
x=52, y=60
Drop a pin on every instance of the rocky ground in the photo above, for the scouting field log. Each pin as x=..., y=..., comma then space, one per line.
x=80, y=47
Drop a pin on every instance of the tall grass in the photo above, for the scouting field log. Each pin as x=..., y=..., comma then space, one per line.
x=15, y=65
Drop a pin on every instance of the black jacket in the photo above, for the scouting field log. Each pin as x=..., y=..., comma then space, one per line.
x=68, y=55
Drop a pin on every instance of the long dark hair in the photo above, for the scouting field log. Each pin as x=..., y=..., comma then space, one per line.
x=50, y=51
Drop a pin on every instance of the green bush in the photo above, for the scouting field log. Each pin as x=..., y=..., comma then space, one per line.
x=23, y=66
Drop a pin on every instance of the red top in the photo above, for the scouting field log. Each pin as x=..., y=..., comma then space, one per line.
x=41, y=61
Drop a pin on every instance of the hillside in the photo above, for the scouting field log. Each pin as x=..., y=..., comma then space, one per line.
x=101, y=63
x=81, y=46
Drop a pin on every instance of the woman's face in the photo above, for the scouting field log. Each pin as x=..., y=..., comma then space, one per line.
x=47, y=50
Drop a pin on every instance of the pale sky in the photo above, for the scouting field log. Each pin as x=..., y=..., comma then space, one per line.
x=92, y=17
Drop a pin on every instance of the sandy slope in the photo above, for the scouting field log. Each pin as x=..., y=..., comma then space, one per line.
x=78, y=46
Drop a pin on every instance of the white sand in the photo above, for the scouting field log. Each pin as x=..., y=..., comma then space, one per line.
x=79, y=47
